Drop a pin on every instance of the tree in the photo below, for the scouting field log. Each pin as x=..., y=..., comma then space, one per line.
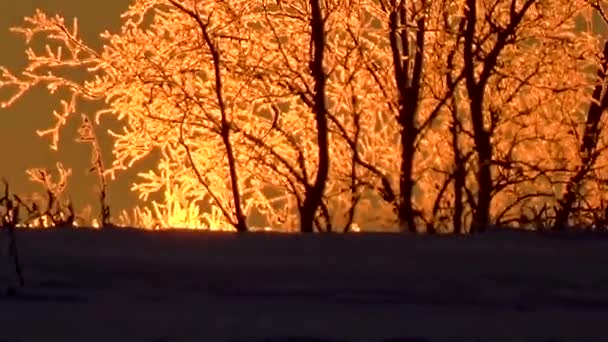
x=522, y=63
x=591, y=150
x=224, y=124
x=408, y=59
x=307, y=80
x=124, y=77
x=436, y=115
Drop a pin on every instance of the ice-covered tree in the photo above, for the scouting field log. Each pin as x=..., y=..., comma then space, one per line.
x=436, y=115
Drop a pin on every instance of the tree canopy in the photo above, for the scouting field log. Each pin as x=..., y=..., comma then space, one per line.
x=426, y=116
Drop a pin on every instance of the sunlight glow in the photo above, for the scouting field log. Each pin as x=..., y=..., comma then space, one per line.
x=257, y=114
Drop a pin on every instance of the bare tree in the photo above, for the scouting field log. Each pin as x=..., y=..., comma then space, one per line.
x=86, y=134
x=225, y=129
x=9, y=218
x=493, y=31
x=590, y=145
x=436, y=115
x=314, y=194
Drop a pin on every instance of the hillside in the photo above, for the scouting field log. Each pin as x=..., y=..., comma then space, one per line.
x=129, y=285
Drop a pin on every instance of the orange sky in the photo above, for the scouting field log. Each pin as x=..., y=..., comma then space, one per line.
x=21, y=147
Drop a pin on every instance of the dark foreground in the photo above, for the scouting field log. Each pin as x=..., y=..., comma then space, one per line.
x=184, y=286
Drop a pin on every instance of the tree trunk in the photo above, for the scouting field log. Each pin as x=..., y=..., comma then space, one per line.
x=459, y=176
x=481, y=217
x=408, y=84
x=588, y=146
x=225, y=129
x=314, y=193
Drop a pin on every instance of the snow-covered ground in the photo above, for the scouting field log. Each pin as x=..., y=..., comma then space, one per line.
x=128, y=285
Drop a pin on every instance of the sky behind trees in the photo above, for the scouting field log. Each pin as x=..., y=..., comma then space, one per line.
x=177, y=117
x=21, y=146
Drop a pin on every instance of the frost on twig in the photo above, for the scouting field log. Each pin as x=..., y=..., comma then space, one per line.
x=53, y=209
x=186, y=79
x=54, y=67
x=86, y=134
